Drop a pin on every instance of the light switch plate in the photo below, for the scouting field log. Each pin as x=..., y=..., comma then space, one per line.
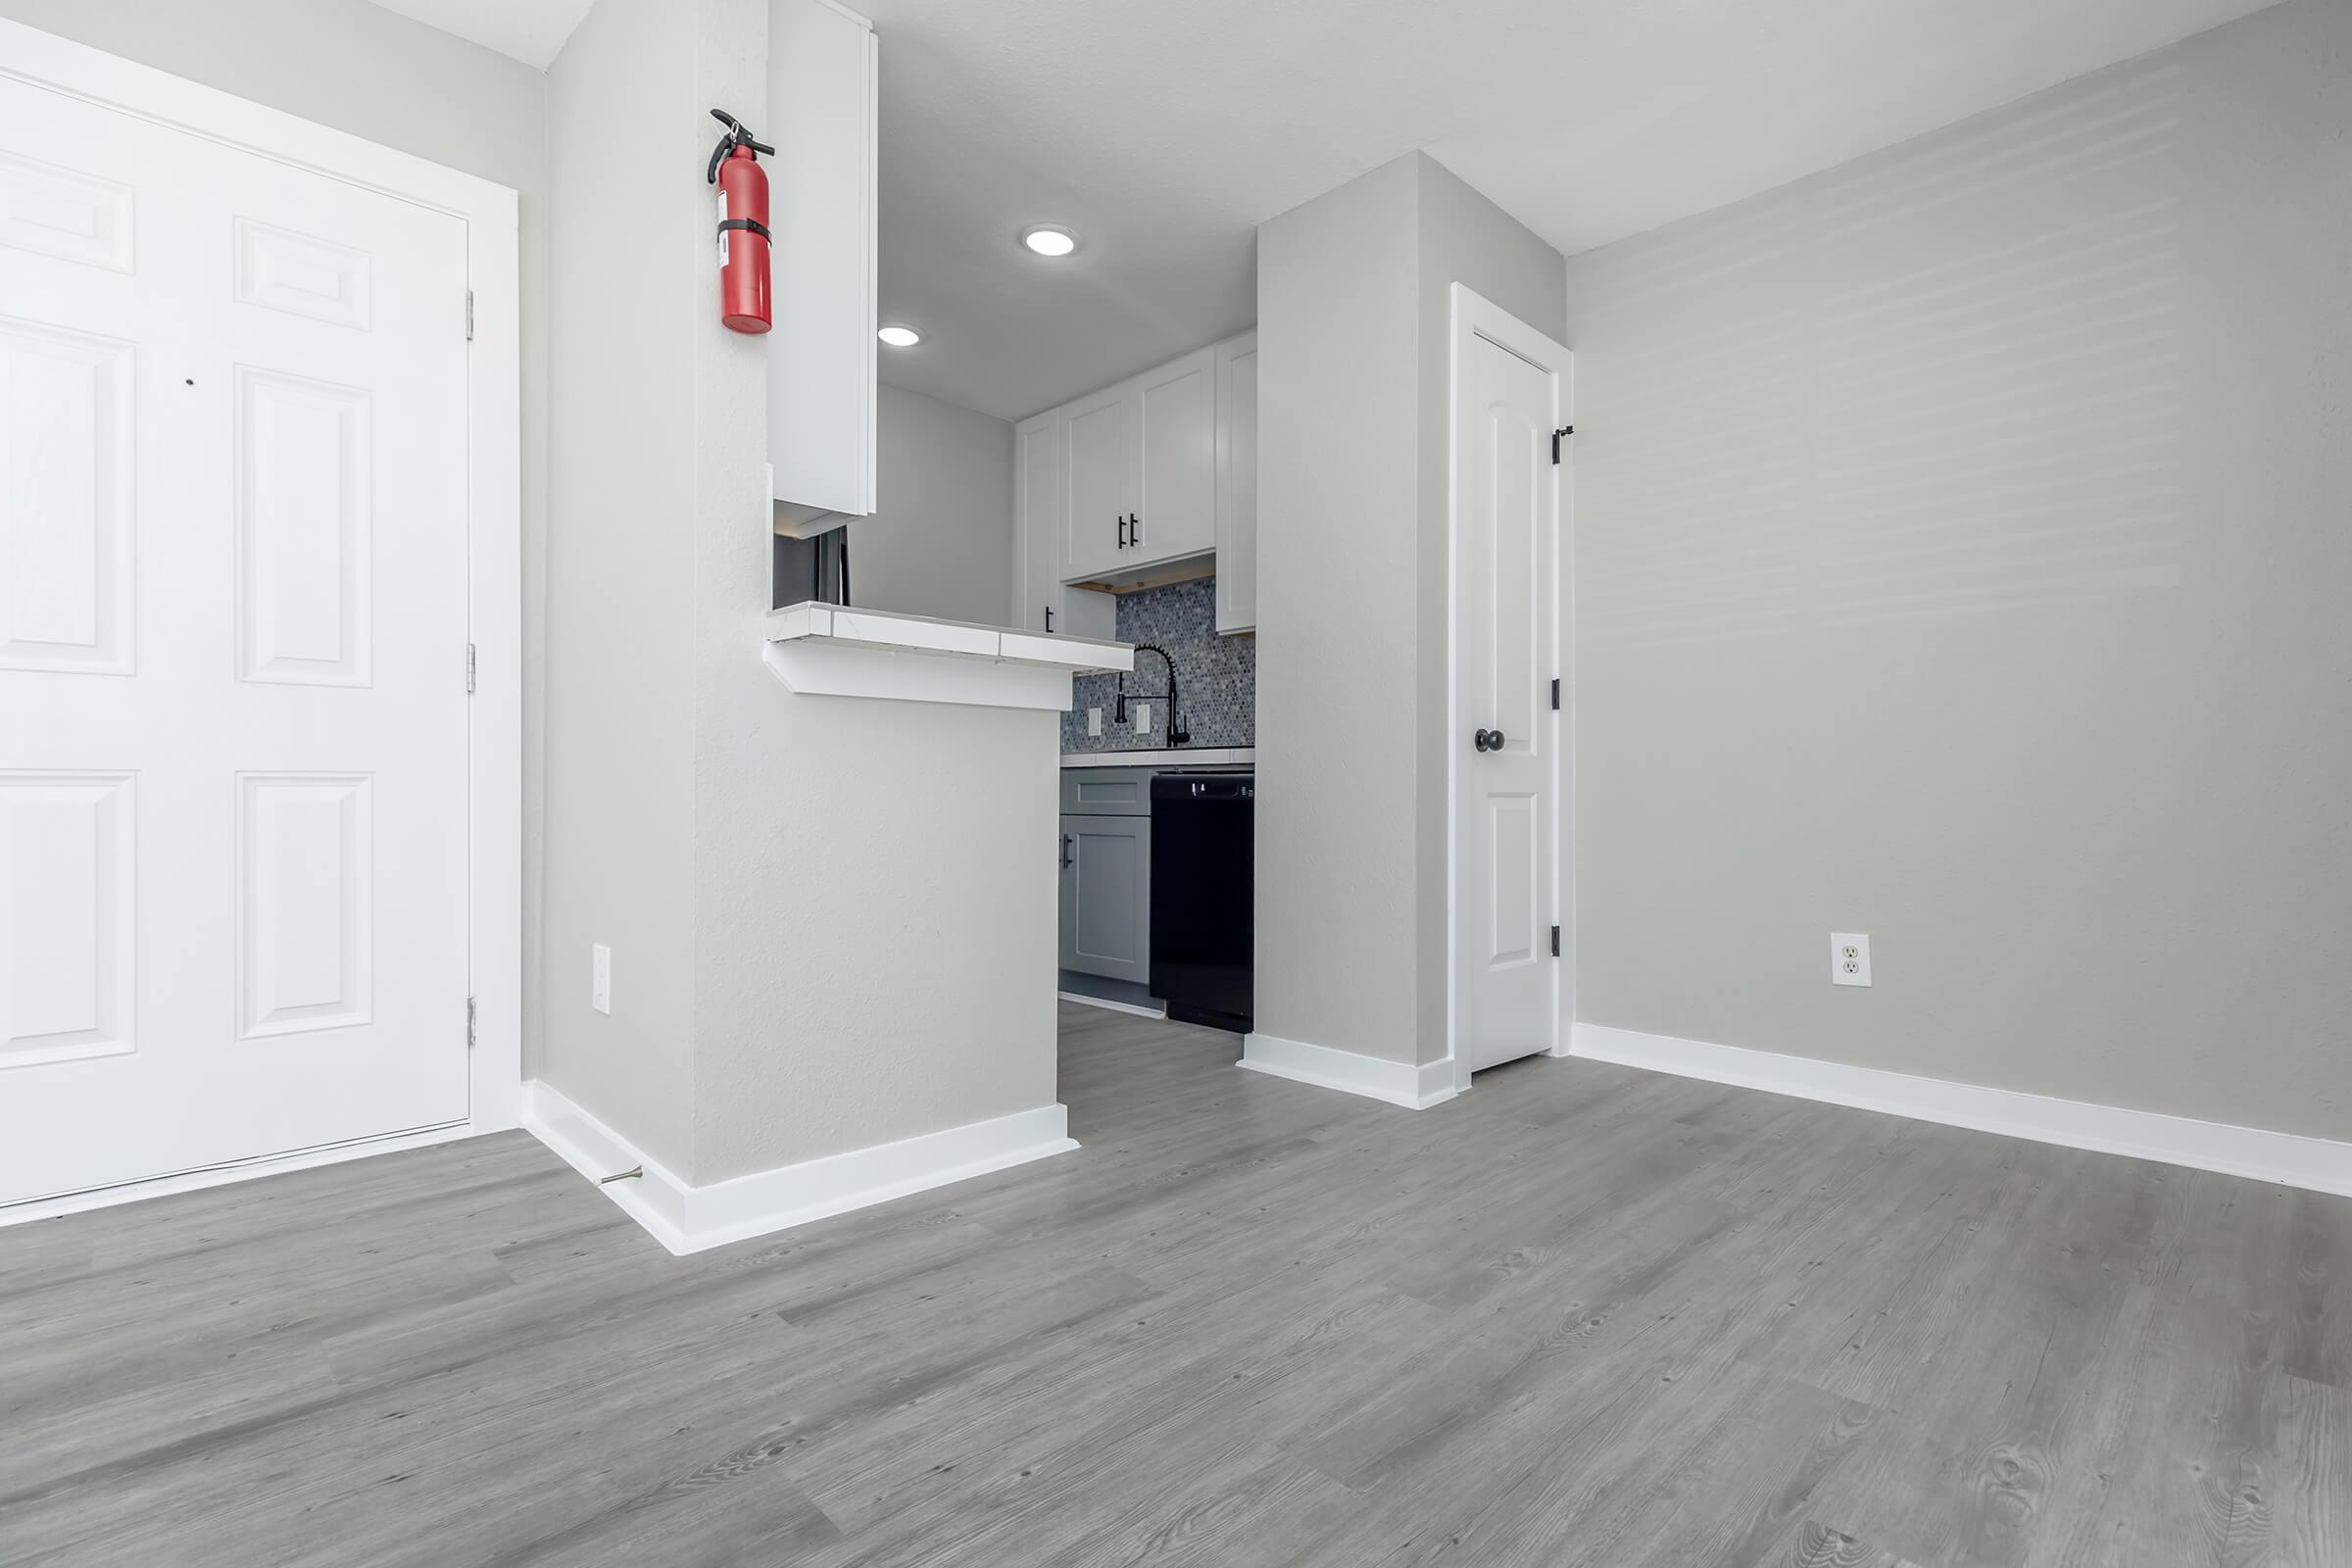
x=1850, y=957
x=599, y=978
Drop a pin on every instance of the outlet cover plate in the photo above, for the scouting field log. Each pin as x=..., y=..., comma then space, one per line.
x=1850, y=957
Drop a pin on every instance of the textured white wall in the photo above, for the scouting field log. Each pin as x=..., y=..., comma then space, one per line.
x=358, y=68
x=939, y=540
x=1352, y=659
x=1963, y=540
x=628, y=278
x=873, y=892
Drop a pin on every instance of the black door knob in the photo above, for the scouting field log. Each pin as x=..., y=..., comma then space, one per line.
x=1488, y=740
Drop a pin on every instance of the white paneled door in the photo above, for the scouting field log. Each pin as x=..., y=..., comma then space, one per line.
x=233, y=547
x=1509, y=397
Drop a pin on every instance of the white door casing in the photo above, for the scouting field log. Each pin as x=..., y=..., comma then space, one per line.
x=1508, y=548
x=259, y=500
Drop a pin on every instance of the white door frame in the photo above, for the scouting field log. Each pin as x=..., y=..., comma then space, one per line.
x=1474, y=316
x=494, y=445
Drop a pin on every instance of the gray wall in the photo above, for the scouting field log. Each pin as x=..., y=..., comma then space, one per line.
x=1963, y=545
x=1338, y=346
x=364, y=70
x=939, y=540
x=1464, y=238
x=1353, y=322
x=874, y=894
x=621, y=822
x=832, y=919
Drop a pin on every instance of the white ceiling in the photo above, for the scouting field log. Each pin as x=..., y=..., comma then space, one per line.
x=530, y=30
x=1165, y=133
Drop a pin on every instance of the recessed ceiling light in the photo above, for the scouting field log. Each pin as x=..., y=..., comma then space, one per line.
x=1050, y=239
x=899, y=337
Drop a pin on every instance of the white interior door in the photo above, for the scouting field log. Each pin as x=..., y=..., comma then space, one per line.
x=233, y=812
x=1508, y=386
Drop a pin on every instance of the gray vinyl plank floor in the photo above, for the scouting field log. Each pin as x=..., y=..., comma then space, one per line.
x=1581, y=1316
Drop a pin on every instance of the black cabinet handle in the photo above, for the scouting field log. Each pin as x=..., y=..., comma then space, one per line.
x=1065, y=852
x=1048, y=618
x=1135, y=527
x=1122, y=532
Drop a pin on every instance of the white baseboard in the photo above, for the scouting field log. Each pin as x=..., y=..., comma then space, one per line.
x=2287, y=1158
x=1399, y=1083
x=1108, y=1006
x=686, y=1218
x=656, y=1199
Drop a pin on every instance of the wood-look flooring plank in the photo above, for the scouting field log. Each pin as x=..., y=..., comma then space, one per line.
x=1816, y=1545
x=1582, y=1315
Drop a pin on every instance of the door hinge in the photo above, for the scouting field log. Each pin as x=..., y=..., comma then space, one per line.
x=1565, y=429
x=1556, y=940
x=469, y=1014
x=469, y=670
x=1555, y=694
x=1556, y=449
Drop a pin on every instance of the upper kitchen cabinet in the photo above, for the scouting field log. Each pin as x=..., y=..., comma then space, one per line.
x=1097, y=487
x=1160, y=468
x=1139, y=472
x=1236, y=484
x=822, y=407
x=1040, y=601
x=1175, y=510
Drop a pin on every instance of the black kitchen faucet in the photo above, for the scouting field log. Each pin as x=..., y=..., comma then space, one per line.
x=1177, y=735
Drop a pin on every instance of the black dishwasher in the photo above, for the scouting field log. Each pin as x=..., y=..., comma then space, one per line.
x=1203, y=870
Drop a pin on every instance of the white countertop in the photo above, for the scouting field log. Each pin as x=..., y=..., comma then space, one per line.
x=835, y=651
x=1182, y=755
x=895, y=632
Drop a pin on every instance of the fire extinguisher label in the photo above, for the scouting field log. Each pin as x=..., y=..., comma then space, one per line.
x=723, y=230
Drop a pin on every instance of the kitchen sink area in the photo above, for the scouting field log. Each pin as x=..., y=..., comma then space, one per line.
x=1157, y=843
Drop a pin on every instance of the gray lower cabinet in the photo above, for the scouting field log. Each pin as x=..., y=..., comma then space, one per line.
x=1106, y=897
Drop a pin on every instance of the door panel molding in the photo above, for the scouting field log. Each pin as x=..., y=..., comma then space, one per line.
x=335, y=288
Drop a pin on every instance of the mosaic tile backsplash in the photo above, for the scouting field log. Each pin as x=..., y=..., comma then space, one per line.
x=1216, y=678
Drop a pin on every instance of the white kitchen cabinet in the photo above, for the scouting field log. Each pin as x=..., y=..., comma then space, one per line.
x=1175, y=510
x=1098, y=461
x=1236, y=484
x=1140, y=471
x=1040, y=601
x=821, y=406
x=1161, y=467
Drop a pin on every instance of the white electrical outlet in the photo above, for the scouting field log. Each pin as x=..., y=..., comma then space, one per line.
x=1143, y=718
x=599, y=978
x=1849, y=958
x=1094, y=721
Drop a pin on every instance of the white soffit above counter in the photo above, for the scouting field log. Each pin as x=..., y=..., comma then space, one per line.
x=835, y=651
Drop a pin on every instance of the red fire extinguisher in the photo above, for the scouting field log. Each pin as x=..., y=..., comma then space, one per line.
x=743, y=236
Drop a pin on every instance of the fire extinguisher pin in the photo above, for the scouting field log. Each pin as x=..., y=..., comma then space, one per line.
x=738, y=134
